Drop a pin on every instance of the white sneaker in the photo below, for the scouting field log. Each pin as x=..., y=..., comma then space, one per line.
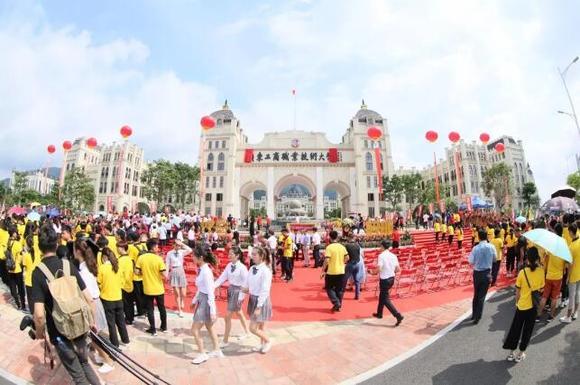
x=266, y=347
x=105, y=368
x=244, y=336
x=566, y=320
x=200, y=359
x=257, y=349
x=224, y=345
x=574, y=316
x=98, y=360
x=216, y=354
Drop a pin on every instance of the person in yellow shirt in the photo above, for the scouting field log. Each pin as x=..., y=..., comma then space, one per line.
x=15, y=276
x=497, y=242
x=110, y=282
x=490, y=233
x=450, y=233
x=474, y=236
x=126, y=270
x=333, y=270
x=134, y=249
x=151, y=266
x=30, y=259
x=287, y=256
x=459, y=235
x=437, y=229
x=443, y=231
x=530, y=279
x=573, y=275
x=554, y=274
x=510, y=243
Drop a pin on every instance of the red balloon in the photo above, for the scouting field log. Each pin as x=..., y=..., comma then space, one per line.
x=500, y=147
x=126, y=131
x=91, y=142
x=454, y=136
x=484, y=138
x=207, y=122
x=66, y=145
x=431, y=136
x=374, y=133
x=51, y=149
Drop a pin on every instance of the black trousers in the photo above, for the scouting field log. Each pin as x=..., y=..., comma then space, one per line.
x=521, y=329
x=139, y=297
x=384, y=299
x=510, y=259
x=28, y=290
x=160, y=300
x=115, y=321
x=480, y=285
x=437, y=236
x=4, y=272
x=128, y=306
x=450, y=239
x=335, y=288
x=74, y=358
x=495, y=271
x=316, y=254
x=459, y=245
x=287, y=267
x=16, y=283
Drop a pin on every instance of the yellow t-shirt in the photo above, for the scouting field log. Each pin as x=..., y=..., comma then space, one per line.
x=555, y=270
x=17, y=255
x=336, y=253
x=502, y=233
x=29, y=266
x=490, y=234
x=437, y=227
x=20, y=229
x=450, y=230
x=574, y=273
x=498, y=244
x=459, y=234
x=151, y=266
x=475, y=235
x=456, y=218
x=126, y=271
x=288, y=251
x=133, y=252
x=109, y=282
x=113, y=244
x=443, y=228
x=4, y=237
x=567, y=237
x=536, y=279
x=511, y=241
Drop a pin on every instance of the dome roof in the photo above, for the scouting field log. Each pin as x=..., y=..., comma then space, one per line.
x=224, y=113
x=364, y=112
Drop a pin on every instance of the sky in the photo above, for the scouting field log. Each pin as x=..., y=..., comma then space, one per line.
x=80, y=68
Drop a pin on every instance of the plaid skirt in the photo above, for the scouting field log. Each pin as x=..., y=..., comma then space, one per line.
x=233, y=298
x=202, y=311
x=177, y=277
x=265, y=310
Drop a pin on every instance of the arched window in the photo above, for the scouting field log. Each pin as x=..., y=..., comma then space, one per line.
x=209, y=162
x=221, y=161
x=369, y=161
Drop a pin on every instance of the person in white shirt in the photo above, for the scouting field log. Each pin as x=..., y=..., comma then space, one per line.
x=162, y=230
x=177, y=278
x=305, y=242
x=258, y=286
x=205, y=313
x=236, y=273
x=273, y=246
x=315, y=240
x=387, y=267
x=191, y=236
x=179, y=235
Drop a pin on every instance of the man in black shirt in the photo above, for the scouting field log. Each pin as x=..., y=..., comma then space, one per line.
x=73, y=353
x=352, y=266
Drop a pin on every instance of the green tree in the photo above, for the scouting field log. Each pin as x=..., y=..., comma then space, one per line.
x=78, y=192
x=18, y=186
x=529, y=195
x=4, y=193
x=427, y=195
x=573, y=180
x=159, y=181
x=334, y=213
x=411, y=187
x=393, y=190
x=185, y=183
x=52, y=198
x=497, y=182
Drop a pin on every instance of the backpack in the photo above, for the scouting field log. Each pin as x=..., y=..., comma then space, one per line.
x=10, y=262
x=70, y=311
x=536, y=294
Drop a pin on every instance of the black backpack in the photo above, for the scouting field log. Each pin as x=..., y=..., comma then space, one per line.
x=10, y=263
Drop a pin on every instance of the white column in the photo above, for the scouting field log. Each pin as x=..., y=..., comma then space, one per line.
x=319, y=194
x=270, y=194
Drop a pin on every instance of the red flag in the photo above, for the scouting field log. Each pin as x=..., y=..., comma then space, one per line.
x=333, y=155
x=379, y=169
x=248, y=155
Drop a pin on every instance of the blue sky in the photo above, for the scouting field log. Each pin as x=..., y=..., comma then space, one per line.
x=73, y=68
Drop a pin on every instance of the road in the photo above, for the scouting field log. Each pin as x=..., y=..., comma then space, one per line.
x=473, y=354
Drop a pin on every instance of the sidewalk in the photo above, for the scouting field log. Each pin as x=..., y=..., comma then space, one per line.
x=303, y=352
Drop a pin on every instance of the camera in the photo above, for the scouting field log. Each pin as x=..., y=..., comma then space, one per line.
x=28, y=322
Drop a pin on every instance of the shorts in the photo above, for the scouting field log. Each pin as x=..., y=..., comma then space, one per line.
x=552, y=289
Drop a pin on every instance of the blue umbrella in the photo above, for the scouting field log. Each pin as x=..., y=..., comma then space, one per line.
x=53, y=212
x=550, y=242
x=521, y=219
x=33, y=216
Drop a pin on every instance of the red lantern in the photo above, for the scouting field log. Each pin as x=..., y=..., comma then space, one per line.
x=126, y=131
x=51, y=149
x=91, y=142
x=431, y=136
x=374, y=133
x=207, y=122
x=484, y=138
x=500, y=147
x=66, y=145
x=454, y=136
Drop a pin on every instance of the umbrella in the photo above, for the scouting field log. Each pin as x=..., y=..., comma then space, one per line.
x=565, y=191
x=33, y=216
x=560, y=204
x=550, y=242
x=17, y=210
x=521, y=219
x=53, y=212
x=34, y=204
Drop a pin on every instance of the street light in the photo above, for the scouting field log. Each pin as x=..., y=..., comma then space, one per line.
x=562, y=74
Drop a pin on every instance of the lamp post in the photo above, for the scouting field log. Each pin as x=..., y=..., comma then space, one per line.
x=563, y=77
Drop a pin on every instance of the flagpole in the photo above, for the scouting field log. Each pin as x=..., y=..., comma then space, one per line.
x=294, y=95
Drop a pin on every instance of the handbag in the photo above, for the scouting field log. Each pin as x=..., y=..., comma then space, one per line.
x=536, y=295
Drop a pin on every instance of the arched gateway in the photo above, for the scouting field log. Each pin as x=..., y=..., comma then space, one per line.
x=292, y=173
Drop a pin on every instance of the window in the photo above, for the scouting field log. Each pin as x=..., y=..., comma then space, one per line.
x=218, y=212
x=207, y=182
x=114, y=171
x=221, y=161
x=376, y=180
x=221, y=181
x=209, y=162
x=208, y=197
x=219, y=197
x=213, y=182
x=223, y=144
x=371, y=212
x=368, y=182
x=134, y=192
x=366, y=143
x=371, y=197
x=210, y=144
x=369, y=161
